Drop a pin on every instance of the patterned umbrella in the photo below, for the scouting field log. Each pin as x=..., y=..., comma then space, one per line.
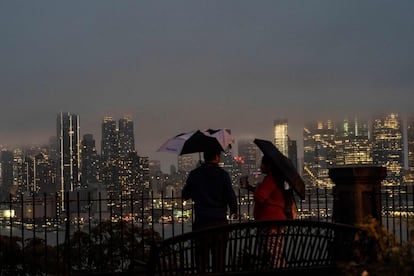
x=222, y=135
x=191, y=142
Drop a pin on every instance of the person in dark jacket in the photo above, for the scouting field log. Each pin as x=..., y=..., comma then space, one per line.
x=209, y=186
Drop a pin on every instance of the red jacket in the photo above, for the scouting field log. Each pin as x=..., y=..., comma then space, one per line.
x=269, y=200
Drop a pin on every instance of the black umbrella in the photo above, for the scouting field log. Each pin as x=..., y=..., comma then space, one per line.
x=284, y=164
x=191, y=142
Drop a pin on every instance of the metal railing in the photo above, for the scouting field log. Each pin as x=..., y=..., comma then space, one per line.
x=91, y=233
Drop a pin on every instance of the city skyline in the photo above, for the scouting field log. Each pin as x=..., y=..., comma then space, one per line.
x=176, y=67
x=166, y=163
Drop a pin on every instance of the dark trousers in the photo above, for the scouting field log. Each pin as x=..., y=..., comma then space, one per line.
x=210, y=249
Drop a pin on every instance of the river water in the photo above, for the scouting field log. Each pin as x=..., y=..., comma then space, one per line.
x=400, y=227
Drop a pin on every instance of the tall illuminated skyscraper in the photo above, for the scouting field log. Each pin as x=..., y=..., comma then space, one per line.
x=281, y=137
x=119, y=158
x=18, y=161
x=282, y=142
x=410, y=143
x=126, y=136
x=128, y=160
x=408, y=177
x=109, y=154
x=68, y=152
x=388, y=146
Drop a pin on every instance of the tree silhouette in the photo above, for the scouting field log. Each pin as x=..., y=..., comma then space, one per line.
x=111, y=246
x=11, y=255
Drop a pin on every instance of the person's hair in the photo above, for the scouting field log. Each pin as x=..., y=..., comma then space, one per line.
x=267, y=161
x=273, y=169
x=210, y=155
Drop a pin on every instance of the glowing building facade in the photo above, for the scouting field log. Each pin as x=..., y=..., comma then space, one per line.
x=318, y=153
x=388, y=146
x=109, y=155
x=68, y=152
x=281, y=138
x=352, y=143
x=410, y=143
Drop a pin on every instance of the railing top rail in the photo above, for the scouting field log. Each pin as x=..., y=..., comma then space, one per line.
x=263, y=223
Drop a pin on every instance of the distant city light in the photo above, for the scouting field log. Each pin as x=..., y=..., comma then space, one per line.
x=8, y=213
x=239, y=159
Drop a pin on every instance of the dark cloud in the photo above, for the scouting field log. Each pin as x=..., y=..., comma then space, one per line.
x=182, y=65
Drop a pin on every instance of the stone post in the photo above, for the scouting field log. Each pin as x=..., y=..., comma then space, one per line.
x=357, y=193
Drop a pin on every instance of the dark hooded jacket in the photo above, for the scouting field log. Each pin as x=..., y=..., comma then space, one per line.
x=209, y=186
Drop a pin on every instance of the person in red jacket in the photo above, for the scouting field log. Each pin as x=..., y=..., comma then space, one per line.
x=269, y=194
x=271, y=202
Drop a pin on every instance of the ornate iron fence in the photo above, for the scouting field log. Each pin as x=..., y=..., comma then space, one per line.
x=90, y=233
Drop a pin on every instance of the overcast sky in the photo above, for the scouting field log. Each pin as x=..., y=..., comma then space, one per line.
x=176, y=66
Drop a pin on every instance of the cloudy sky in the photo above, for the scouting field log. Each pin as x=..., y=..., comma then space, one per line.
x=176, y=66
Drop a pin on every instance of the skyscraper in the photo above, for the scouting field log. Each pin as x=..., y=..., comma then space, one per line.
x=283, y=142
x=129, y=173
x=128, y=160
x=90, y=162
x=6, y=176
x=227, y=163
x=126, y=136
x=352, y=143
x=293, y=152
x=44, y=174
x=280, y=128
x=410, y=143
x=119, y=158
x=318, y=153
x=250, y=156
x=408, y=176
x=18, y=163
x=388, y=146
x=68, y=143
x=109, y=154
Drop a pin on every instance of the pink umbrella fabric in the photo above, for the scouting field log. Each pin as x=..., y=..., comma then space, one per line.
x=222, y=135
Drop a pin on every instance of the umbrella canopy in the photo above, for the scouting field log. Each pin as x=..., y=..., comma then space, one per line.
x=284, y=164
x=191, y=142
x=222, y=135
